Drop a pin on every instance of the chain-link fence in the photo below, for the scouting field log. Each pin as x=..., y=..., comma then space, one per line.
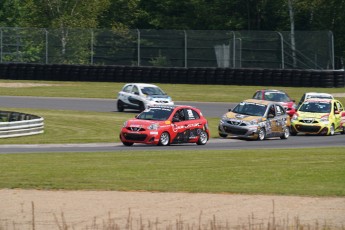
x=169, y=48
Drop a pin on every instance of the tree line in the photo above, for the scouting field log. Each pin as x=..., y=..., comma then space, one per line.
x=270, y=15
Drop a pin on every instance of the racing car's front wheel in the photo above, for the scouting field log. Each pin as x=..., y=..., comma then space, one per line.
x=127, y=143
x=202, y=138
x=164, y=139
x=262, y=134
x=286, y=133
x=120, y=106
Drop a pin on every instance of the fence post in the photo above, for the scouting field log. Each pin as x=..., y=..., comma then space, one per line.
x=282, y=49
x=138, y=48
x=46, y=31
x=185, y=49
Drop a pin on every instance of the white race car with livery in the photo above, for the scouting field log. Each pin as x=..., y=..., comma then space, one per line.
x=140, y=96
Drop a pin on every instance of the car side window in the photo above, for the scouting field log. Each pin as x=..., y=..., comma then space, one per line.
x=179, y=115
x=271, y=111
x=135, y=90
x=192, y=114
x=258, y=95
x=127, y=89
x=280, y=110
x=340, y=108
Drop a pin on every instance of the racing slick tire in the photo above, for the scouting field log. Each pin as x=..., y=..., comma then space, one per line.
x=343, y=130
x=223, y=135
x=202, y=138
x=120, y=106
x=286, y=133
x=141, y=106
x=262, y=134
x=125, y=142
x=164, y=139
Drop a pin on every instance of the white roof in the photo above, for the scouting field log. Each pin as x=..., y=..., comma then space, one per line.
x=141, y=85
x=318, y=95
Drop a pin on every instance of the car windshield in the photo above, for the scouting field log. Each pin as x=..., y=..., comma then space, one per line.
x=315, y=107
x=319, y=96
x=155, y=113
x=251, y=109
x=276, y=96
x=148, y=90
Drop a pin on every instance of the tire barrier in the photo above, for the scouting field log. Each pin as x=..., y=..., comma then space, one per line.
x=174, y=75
x=14, y=124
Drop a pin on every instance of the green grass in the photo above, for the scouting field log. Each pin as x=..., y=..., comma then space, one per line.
x=179, y=92
x=311, y=172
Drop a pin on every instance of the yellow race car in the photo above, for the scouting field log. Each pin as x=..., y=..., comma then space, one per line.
x=319, y=116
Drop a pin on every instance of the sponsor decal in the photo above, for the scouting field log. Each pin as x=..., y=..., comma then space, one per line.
x=175, y=127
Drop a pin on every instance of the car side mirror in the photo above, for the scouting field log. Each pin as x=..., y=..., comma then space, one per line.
x=229, y=110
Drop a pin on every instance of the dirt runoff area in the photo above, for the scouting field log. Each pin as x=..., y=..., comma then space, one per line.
x=42, y=210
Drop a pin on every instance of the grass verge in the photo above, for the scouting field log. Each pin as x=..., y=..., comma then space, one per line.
x=179, y=92
x=309, y=172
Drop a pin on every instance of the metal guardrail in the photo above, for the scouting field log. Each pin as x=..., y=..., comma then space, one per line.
x=14, y=124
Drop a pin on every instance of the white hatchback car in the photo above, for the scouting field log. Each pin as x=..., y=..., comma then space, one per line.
x=140, y=96
x=309, y=95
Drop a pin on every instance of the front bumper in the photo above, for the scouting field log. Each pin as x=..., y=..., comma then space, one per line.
x=239, y=131
x=317, y=128
x=146, y=137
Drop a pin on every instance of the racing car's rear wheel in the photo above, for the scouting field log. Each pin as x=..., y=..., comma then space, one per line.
x=120, y=107
x=343, y=130
x=164, y=139
x=331, y=130
x=202, y=138
x=286, y=133
x=262, y=134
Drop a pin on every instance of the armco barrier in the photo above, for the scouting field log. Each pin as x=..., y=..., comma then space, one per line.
x=174, y=75
x=14, y=124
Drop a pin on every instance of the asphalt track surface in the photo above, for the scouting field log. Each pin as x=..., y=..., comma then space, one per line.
x=109, y=105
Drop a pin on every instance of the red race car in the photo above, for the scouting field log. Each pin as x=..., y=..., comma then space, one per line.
x=165, y=125
x=278, y=96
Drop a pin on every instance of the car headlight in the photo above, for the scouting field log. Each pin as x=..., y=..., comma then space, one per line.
x=149, y=98
x=324, y=119
x=294, y=117
x=125, y=124
x=254, y=122
x=153, y=127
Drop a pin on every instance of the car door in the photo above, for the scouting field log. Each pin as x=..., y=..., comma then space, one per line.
x=180, y=125
x=275, y=118
x=338, y=112
x=134, y=96
x=125, y=94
